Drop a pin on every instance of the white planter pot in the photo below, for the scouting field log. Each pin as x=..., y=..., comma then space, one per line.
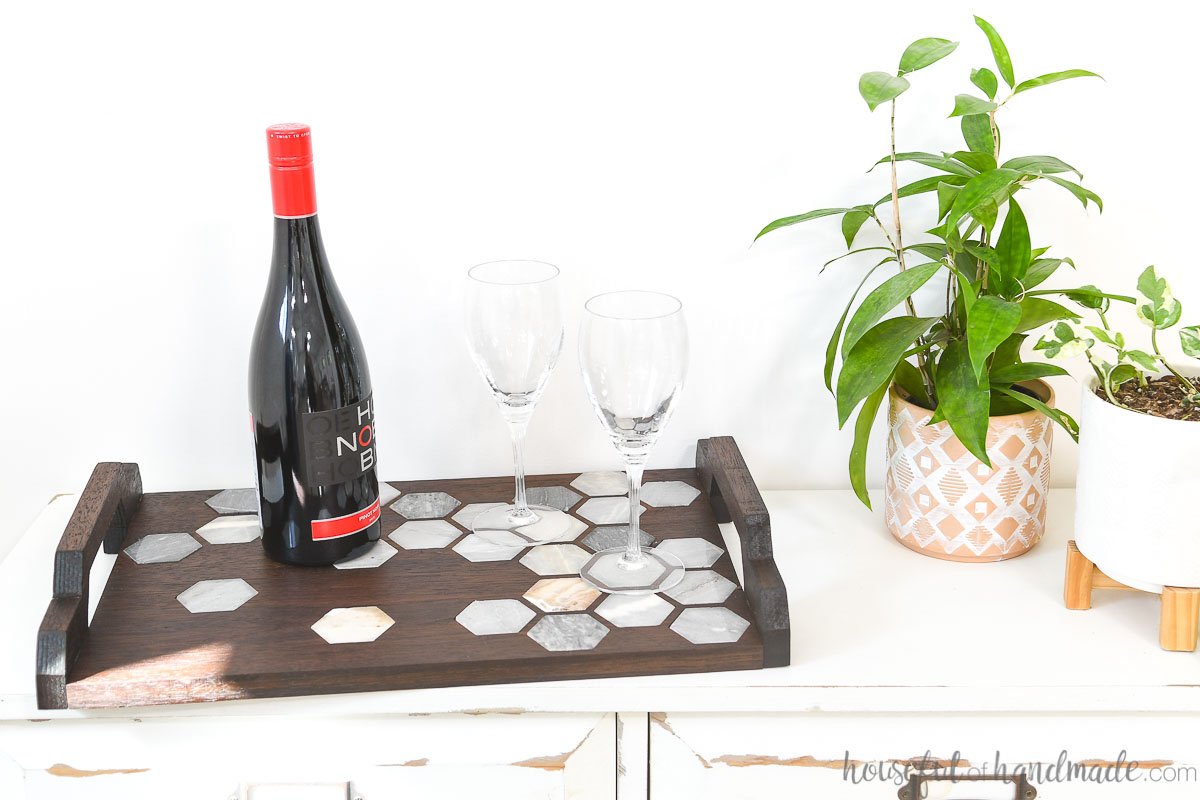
x=1136, y=495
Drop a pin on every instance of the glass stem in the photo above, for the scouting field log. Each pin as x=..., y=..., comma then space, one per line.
x=633, y=550
x=517, y=429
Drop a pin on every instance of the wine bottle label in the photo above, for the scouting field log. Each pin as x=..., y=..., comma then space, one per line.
x=338, y=445
x=344, y=526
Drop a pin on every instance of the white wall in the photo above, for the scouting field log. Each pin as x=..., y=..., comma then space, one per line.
x=633, y=144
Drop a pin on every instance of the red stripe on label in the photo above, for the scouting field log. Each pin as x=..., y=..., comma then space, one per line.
x=338, y=527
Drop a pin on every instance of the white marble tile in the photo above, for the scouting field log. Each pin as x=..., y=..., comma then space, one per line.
x=231, y=530
x=634, y=610
x=560, y=632
x=467, y=514
x=425, y=505
x=575, y=527
x=374, y=555
x=487, y=617
x=552, y=525
x=602, y=484
x=556, y=559
x=226, y=594
x=614, y=536
x=425, y=534
x=709, y=625
x=605, y=510
x=561, y=594
x=234, y=501
x=162, y=548
x=693, y=552
x=476, y=548
x=559, y=497
x=701, y=586
x=387, y=493
x=358, y=624
x=666, y=494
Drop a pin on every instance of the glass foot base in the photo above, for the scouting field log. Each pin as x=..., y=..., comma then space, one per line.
x=502, y=526
x=611, y=573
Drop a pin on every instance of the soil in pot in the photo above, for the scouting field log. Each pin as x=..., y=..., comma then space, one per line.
x=1163, y=397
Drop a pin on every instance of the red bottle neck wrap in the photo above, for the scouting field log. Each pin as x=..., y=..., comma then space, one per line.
x=293, y=189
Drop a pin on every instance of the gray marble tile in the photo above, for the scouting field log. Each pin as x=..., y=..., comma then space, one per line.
x=226, y=594
x=602, y=484
x=387, y=493
x=234, y=501
x=467, y=514
x=559, y=497
x=605, y=510
x=709, y=625
x=634, y=610
x=425, y=534
x=556, y=559
x=358, y=624
x=487, y=617
x=476, y=548
x=425, y=505
x=666, y=494
x=373, y=555
x=162, y=548
x=560, y=632
x=231, y=530
x=561, y=594
x=701, y=586
x=693, y=552
x=614, y=536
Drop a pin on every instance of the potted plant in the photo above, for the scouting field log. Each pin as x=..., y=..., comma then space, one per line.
x=1134, y=517
x=969, y=419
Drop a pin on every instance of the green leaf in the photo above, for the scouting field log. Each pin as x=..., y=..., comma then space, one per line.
x=966, y=104
x=1053, y=77
x=983, y=162
x=1025, y=371
x=862, y=435
x=1036, y=312
x=1089, y=297
x=832, y=348
x=946, y=195
x=986, y=213
x=1040, y=164
x=851, y=222
x=883, y=298
x=1163, y=310
x=853, y=253
x=921, y=186
x=1081, y=194
x=879, y=87
x=985, y=79
x=999, y=51
x=874, y=358
x=990, y=321
x=931, y=160
x=1009, y=351
x=1042, y=268
x=909, y=378
x=1063, y=419
x=932, y=251
x=1013, y=251
x=979, y=189
x=923, y=52
x=1144, y=359
x=785, y=221
x=963, y=398
x=977, y=133
x=1152, y=287
x=1189, y=338
x=1083, y=295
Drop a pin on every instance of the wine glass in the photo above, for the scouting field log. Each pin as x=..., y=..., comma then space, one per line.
x=633, y=352
x=515, y=332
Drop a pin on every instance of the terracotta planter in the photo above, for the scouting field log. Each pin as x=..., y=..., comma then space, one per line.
x=942, y=501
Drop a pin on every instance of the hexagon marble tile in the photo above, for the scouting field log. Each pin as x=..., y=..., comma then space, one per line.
x=561, y=632
x=467, y=514
x=231, y=530
x=701, y=586
x=556, y=559
x=614, y=536
x=475, y=548
x=709, y=625
x=425, y=534
x=162, y=548
x=559, y=497
x=372, y=556
x=234, y=501
x=561, y=594
x=605, y=510
x=226, y=594
x=357, y=624
x=577, y=526
x=425, y=505
x=387, y=493
x=488, y=617
x=693, y=552
x=634, y=610
x=668, y=494
x=602, y=484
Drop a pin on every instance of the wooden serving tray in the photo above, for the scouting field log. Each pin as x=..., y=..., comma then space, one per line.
x=144, y=647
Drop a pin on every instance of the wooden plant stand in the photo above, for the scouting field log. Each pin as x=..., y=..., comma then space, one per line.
x=1180, y=618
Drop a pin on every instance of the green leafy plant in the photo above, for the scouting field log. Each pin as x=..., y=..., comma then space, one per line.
x=965, y=364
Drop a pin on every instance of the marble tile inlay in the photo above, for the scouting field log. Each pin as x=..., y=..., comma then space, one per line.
x=634, y=610
x=358, y=624
x=424, y=534
x=613, y=536
x=576, y=527
x=476, y=548
x=701, y=586
x=561, y=594
x=231, y=530
x=227, y=594
x=467, y=514
x=387, y=493
x=709, y=625
x=663, y=494
x=561, y=632
x=425, y=505
x=602, y=484
x=234, y=501
x=693, y=552
x=162, y=548
x=487, y=617
x=556, y=559
x=367, y=557
x=559, y=497
x=605, y=510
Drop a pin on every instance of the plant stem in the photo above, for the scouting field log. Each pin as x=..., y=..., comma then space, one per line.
x=1154, y=343
x=1103, y=381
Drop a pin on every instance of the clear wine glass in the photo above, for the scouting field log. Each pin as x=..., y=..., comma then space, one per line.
x=515, y=332
x=633, y=352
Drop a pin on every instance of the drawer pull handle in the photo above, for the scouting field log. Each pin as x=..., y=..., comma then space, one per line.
x=967, y=787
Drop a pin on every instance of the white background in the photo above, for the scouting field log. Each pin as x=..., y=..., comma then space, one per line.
x=633, y=144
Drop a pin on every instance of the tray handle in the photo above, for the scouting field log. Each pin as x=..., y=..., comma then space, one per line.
x=735, y=498
x=101, y=517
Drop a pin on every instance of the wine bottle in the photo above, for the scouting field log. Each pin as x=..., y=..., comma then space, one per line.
x=311, y=407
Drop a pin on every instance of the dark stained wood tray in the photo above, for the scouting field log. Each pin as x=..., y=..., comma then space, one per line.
x=144, y=647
